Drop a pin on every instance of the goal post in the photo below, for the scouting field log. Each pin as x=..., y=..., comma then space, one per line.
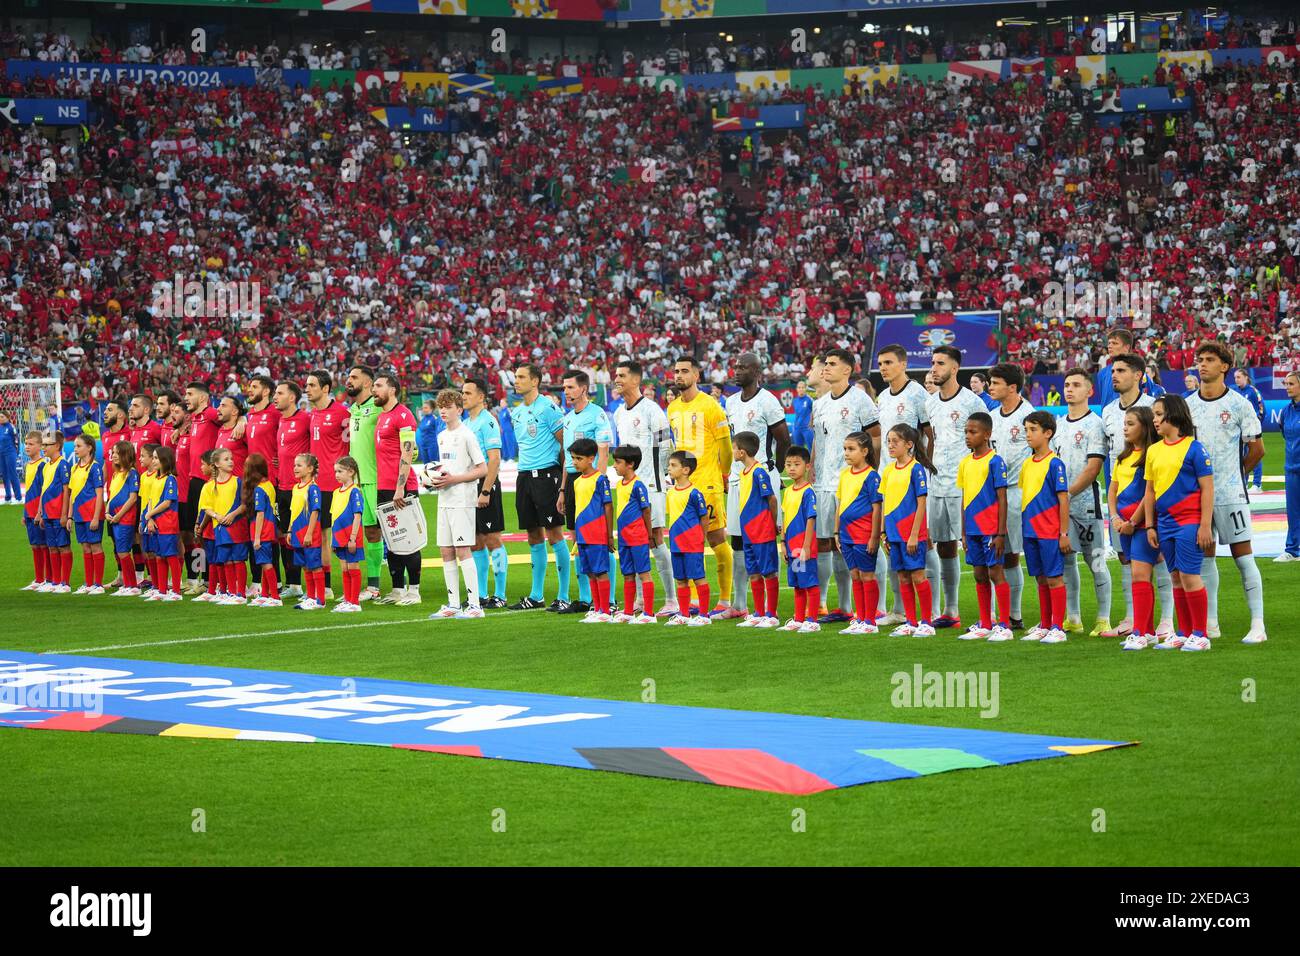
x=32, y=403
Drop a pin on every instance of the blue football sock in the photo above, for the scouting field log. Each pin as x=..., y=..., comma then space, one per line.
x=500, y=563
x=481, y=566
x=537, y=552
x=561, y=551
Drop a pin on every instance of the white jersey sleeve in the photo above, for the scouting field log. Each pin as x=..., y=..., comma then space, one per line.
x=1223, y=426
x=948, y=418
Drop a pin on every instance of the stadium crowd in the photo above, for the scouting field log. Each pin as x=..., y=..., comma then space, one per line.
x=570, y=231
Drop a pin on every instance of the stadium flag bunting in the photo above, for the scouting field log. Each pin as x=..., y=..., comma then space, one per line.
x=781, y=753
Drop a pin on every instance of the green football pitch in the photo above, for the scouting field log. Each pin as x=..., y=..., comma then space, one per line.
x=1214, y=780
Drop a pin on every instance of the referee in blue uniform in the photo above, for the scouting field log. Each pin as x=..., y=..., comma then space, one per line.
x=539, y=433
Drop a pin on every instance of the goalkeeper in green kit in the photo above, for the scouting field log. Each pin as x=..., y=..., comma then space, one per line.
x=364, y=414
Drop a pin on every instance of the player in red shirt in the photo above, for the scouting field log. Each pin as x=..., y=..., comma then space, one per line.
x=293, y=438
x=203, y=437
x=141, y=428
x=394, y=455
x=331, y=428
x=230, y=416
x=263, y=421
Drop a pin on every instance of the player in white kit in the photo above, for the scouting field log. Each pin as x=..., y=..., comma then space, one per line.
x=640, y=422
x=1126, y=379
x=1080, y=441
x=842, y=410
x=1225, y=423
x=753, y=409
x=948, y=410
x=1005, y=384
x=905, y=402
x=461, y=464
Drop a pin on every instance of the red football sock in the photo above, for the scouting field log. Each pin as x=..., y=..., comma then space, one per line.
x=241, y=578
x=1058, y=606
x=908, y=593
x=800, y=603
x=1004, y=601
x=871, y=600
x=99, y=569
x=174, y=563
x=859, y=600
x=758, y=589
x=629, y=596
x=66, y=573
x=984, y=592
x=270, y=586
x=648, y=597
x=703, y=591
x=773, y=589
x=1198, y=603
x=38, y=562
x=1144, y=599
x=684, y=599
x=127, y=567
x=925, y=600
x=814, y=607
x=1184, y=612
x=1044, y=605
x=214, y=577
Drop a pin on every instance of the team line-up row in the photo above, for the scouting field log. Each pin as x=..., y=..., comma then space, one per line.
x=1162, y=504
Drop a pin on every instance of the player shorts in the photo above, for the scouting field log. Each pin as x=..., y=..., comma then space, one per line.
x=234, y=553
x=688, y=565
x=658, y=508
x=858, y=556
x=716, y=502
x=536, y=492
x=901, y=560
x=1182, y=554
x=943, y=514
x=1136, y=547
x=633, y=559
x=56, y=536
x=167, y=545
x=369, y=502
x=761, y=558
x=35, y=533
x=308, y=558
x=123, y=537
x=801, y=574
x=455, y=527
x=828, y=515
x=1043, y=557
x=491, y=518
x=148, y=542
x=209, y=552
x=1015, y=527
x=347, y=555
x=1087, y=535
x=979, y=551
x=1232, y=523
x=593, y=559
x=283, y=513
x=570, y=499
x=87, y=535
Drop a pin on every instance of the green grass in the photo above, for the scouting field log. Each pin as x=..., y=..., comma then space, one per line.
x=1211, y=783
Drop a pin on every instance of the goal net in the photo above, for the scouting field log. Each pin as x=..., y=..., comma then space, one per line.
x=31, y=403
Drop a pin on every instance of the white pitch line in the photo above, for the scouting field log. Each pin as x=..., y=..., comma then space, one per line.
x=234, y=637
